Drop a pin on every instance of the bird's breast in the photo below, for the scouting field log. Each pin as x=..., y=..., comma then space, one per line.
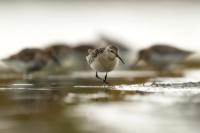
x=103, y=64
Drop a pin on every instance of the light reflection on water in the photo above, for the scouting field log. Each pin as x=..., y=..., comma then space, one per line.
x=139, y=117
x=84, y=105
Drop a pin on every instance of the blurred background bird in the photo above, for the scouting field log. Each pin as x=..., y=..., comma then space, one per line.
x=162, y=57
x=28, y=60
x=61, y=57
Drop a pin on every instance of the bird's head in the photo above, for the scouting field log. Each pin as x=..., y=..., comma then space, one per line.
x=113, y=51
x=143, y=55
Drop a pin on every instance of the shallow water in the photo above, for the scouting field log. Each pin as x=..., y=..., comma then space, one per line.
x=135, y=101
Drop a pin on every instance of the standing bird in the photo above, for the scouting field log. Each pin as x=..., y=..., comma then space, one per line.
x=28, y=60
x=103, y=60
x=162, y=56
x=59, y=52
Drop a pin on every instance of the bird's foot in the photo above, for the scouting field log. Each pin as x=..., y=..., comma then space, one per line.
x=105, y=82
x=154, y=83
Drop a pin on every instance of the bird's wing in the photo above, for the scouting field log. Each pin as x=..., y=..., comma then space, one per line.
x=93, y=54
x=97, y=52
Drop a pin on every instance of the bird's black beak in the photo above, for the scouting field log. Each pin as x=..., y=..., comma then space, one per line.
x=120, y=58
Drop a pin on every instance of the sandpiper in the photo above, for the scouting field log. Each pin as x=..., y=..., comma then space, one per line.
x=103, y=60
x=58, y=52
x=162, y=56
x=28, y=60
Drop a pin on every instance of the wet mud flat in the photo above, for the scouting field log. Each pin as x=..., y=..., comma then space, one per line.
x=135, y=101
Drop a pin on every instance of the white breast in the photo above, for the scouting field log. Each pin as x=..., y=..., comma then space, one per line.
x=104, y=64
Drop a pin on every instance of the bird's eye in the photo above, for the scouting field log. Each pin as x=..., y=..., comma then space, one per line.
x=112, y=51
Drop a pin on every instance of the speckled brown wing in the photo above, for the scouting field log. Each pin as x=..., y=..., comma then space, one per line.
x=93, y=54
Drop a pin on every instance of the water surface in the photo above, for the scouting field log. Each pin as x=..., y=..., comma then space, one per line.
x=135, y=101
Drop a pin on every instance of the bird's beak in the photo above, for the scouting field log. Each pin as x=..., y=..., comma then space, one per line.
x=120, y=58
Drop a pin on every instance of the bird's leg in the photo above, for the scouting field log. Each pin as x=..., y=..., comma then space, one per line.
x=153, y=83
x=105, y=79
x=97, y=76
